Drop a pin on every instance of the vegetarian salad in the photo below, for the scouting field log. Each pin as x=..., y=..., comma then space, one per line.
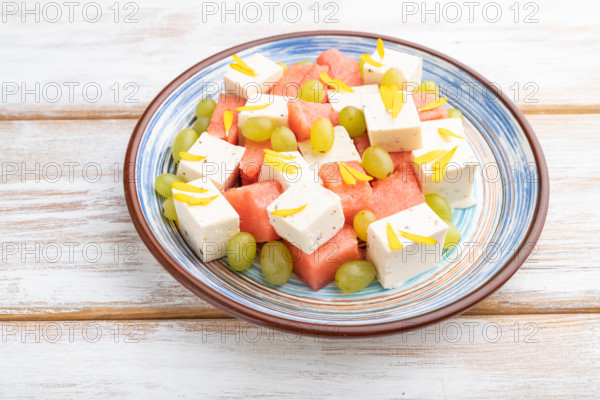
x=310, y=162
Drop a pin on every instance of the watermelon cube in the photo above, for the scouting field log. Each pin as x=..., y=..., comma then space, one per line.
x=361, y=143
x=397, y=192
x=354, y=197
x=341, y=67
x=251, y=202
x=303, y=114
x=216, y=127
x=252, y=161
x=422, y=99
x=318, y=269
x=294, y=77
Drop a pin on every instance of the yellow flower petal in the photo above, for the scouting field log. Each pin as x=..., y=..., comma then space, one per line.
x=286, y=212
x=280, y=165
x=393, y=240
x=227, y=121
x=357, y=174
x=278, y=154
x=380, y=48
x=427, y=87
x=418, y=238
x=252, y=108
x=243, y=70
x=238, y=60
x=335, y=84
x=190, y=157
x=367, y=59
x=434, y=104
x=441, y=165
x=399, y=100
x=346, y=175
x=387, y=94
x=429, y=157
x=193, y=201
x=187, y=187
x=448, y=132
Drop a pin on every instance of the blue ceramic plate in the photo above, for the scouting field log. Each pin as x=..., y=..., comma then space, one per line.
x=497, y=235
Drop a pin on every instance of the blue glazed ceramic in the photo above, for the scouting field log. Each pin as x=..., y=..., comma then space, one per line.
x=498, y=233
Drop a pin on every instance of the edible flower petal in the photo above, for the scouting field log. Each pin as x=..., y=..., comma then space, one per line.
x=186, y=187
x=393, y=240
x=193, y=201
x=190, y=157
x=418, y=238
x=286, y=212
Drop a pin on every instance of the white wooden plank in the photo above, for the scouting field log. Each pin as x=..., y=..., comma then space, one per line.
x=139, y=58
x=94, y=213
x=514, y=357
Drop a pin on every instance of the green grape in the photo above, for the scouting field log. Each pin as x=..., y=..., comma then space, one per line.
x=454, y=113
x=321, y=135
x=362, y=220
x=394, y=76
x=312, y=90
x=282, y=65
x=205, y=107
x=241, y=251
x=163, y=182
x=353, y=120
x=283, y=139
x=353, y=276
x=377, y=162
x=201, y=124
x=183, y=141
x=258, y=129
x=276, y=262
x=452, y=237
x=440, y=206
x=168, y=209
x=306, y=62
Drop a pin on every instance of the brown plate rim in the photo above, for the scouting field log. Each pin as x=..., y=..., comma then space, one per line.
x=331, y=329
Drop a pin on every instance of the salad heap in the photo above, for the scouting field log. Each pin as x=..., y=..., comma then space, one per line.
x=309, y=162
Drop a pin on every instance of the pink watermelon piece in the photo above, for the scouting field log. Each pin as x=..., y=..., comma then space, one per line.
x=397, y=192
x=401, y=159
x=303, y=114
x=422, y=99
x=317, y=270
x=252, y=160
x=341, y=67
x=216, y=127
x=361, y=143
x=251, y=202
x=354, y=197
x=293, y=77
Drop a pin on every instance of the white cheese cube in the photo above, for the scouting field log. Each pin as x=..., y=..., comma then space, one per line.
x=277, y=111
x=457, y=184
x=411, y=67
x=207, y=229
x=247, y=86
x=289, y=176
x=221, y=165
x=343, y=150
x=392, y=134
x=318, y=222
x=396, y=267
x=339, y=99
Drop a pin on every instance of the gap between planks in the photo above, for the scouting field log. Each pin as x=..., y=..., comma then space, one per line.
x=175, y=313
x=136, y=112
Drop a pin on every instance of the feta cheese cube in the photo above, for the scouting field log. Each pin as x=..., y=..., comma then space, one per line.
x=277, y=111
x=247, y=86
x=339, y=99
x=411, y=67
x=392, y=134
x=288, y=177
x=343, y=150
x=396, y=267
x=207, y=229
x=221, y=165
x=457, y=184
x=318, y=222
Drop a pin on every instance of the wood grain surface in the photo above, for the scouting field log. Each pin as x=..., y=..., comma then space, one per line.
x=72, y=264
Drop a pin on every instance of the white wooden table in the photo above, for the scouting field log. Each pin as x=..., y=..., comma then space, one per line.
x=86, y=312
